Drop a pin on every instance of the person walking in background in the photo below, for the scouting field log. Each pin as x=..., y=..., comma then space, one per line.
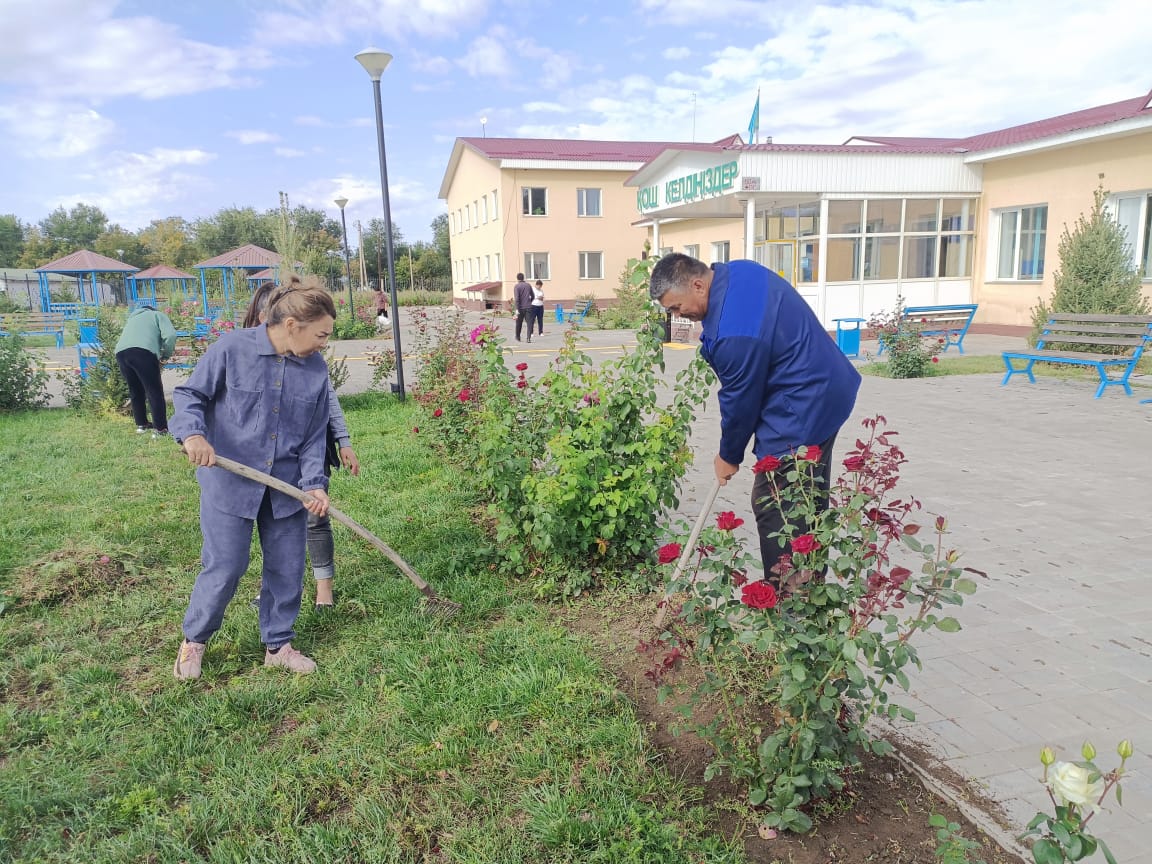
x=783, y=381
x=537, y=308
x=260, y=397
x=338, y=451
x=147, y=340
x=522, y=297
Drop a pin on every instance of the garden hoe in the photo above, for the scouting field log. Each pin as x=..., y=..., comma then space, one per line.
x=433, y=602
x=686, y=553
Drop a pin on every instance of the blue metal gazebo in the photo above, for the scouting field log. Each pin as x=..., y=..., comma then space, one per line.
x=83, y=265
x=142, y=286
x=249, y=257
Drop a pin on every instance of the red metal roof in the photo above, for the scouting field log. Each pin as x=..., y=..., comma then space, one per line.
x=845, y=148
x=1061, y=124
x=576, y=150
x=248, y=256
x=83, y=261
x=268, y=274
x=484, y=286
x=163, y=271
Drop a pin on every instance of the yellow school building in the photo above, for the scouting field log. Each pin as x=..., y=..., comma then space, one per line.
x=853, y=226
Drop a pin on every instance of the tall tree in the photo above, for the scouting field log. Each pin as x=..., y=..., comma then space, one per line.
x=375, y=252
x=74, y=229
x=11, y=240
x=232, y=227
x=123, y=246
x=169, y=241
x=440, y=236
x=39, y=249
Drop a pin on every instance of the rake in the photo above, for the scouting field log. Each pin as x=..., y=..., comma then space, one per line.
x=433, y=602
x=686, y=553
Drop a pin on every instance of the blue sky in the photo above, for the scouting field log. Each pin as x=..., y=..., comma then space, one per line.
x=180, y=107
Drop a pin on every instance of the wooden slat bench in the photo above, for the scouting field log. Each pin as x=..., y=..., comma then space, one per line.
x=34, y=324
x=1076, y=335
x=949, y=321
x=580, y=311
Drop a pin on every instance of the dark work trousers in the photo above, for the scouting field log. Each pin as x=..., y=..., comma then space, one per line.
x=770, y=519
x=321, y=549
x=225, y=554
x=141, y=369
x=538, y=318
x=523, y=315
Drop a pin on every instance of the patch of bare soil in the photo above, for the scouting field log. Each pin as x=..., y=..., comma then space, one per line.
x=70, y=574
x=880, y=818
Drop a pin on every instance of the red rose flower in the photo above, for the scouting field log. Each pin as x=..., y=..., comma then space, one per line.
x=521, y=367
x=739, y=578
x=437, y=412
x=758, y=595
x=668, y=553
x=766, y=464
x=464, y=395
x=811, y=453
x=804, y=544
x=727, y=521
x=935, y=359
x=521, y=383
x=854, y=463
x=415, y=428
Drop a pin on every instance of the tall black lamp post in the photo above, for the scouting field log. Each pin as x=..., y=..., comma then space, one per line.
x=375, y=62
x=342, y=202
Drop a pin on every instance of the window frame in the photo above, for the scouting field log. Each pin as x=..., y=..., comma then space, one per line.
x=530, y=261
x=526, y=201
x=582, y=202
x=996, y=249
x=727, y=248
x=582, y=269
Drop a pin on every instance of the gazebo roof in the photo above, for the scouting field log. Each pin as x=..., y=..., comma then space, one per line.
x=163, y=271
x=248, y=257
x=83, y=261
x=264, y=275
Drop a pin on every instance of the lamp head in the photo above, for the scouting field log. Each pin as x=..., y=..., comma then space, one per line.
x=374, y=62
x=341, y=202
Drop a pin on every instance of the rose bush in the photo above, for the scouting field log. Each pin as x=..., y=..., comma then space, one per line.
x=579, y=463
x=1077, y=790
x=910, y=354
x=796, y=671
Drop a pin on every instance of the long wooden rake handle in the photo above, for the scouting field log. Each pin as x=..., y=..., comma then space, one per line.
x=341, y=517
x=686, y=553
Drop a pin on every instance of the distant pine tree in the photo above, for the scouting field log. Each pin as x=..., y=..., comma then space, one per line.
x=1096, y=272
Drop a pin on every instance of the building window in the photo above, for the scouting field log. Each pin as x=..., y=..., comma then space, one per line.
x=1134, y=213
x=484, y=208
x=843, y=259
x=664, y=250
x=536, y=265
x=496, y=272
x=1020, y=248
x=487, y=267
x=692, y=250
x=588, y=202
x=467, y=217
x=591, y=265
x=495, y=206
x=719, y=252
x=534, y=201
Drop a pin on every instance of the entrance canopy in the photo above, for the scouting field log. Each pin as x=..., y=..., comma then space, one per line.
x=81, y=264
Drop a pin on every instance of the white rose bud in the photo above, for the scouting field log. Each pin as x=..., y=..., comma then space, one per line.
x=1088, y=751
x=1124, y=748
x=1069, y=783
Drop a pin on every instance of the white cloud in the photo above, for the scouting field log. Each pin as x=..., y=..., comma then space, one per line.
x=413, y=204
x=433, y=65
x=679, y=52
x=289, y=152
x=131, y=187
x=79, y=48
x=486, y=57
x=335, y=21
x=311, y=120
x=544, y=108
x=253, y=136
x=55, y=130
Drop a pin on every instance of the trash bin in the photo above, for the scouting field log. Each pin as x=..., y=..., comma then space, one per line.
x=848, y=335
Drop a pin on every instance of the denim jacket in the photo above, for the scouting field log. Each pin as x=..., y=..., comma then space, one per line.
x=261, y=409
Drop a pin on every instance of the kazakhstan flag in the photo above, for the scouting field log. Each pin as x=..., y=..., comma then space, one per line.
x=754, y=123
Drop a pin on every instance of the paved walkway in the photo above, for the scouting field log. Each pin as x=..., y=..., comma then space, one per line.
x=1050, y=492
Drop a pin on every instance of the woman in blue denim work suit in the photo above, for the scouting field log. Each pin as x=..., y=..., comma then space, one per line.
x=260, y=397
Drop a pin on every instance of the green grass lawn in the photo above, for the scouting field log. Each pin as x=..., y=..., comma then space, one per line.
x=490, y=738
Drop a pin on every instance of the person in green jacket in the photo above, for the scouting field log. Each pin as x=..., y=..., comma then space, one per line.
x=147, y=340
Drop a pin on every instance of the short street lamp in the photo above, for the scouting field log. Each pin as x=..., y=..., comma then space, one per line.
x=342, y=203
x=375, y=62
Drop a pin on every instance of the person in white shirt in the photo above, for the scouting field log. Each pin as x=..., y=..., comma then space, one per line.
x=537, y=308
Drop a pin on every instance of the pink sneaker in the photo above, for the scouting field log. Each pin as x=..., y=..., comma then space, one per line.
x=187, y=666
x=291, y=659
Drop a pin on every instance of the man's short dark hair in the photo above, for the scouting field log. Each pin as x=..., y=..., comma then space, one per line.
x=672, y=272
x=519, y=277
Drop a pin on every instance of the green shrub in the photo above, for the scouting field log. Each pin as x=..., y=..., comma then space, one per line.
x=633, y=307
x=103, y=389
x=910, y=353
x=23, y=381
x=1096, y=274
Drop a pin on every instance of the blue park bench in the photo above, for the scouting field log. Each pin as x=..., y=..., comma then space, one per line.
x=950, y=321
x=1076, y=335
x=577, y=315
x=34, y=324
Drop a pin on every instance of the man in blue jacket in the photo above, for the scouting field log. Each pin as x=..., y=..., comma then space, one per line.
x=783, y=381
